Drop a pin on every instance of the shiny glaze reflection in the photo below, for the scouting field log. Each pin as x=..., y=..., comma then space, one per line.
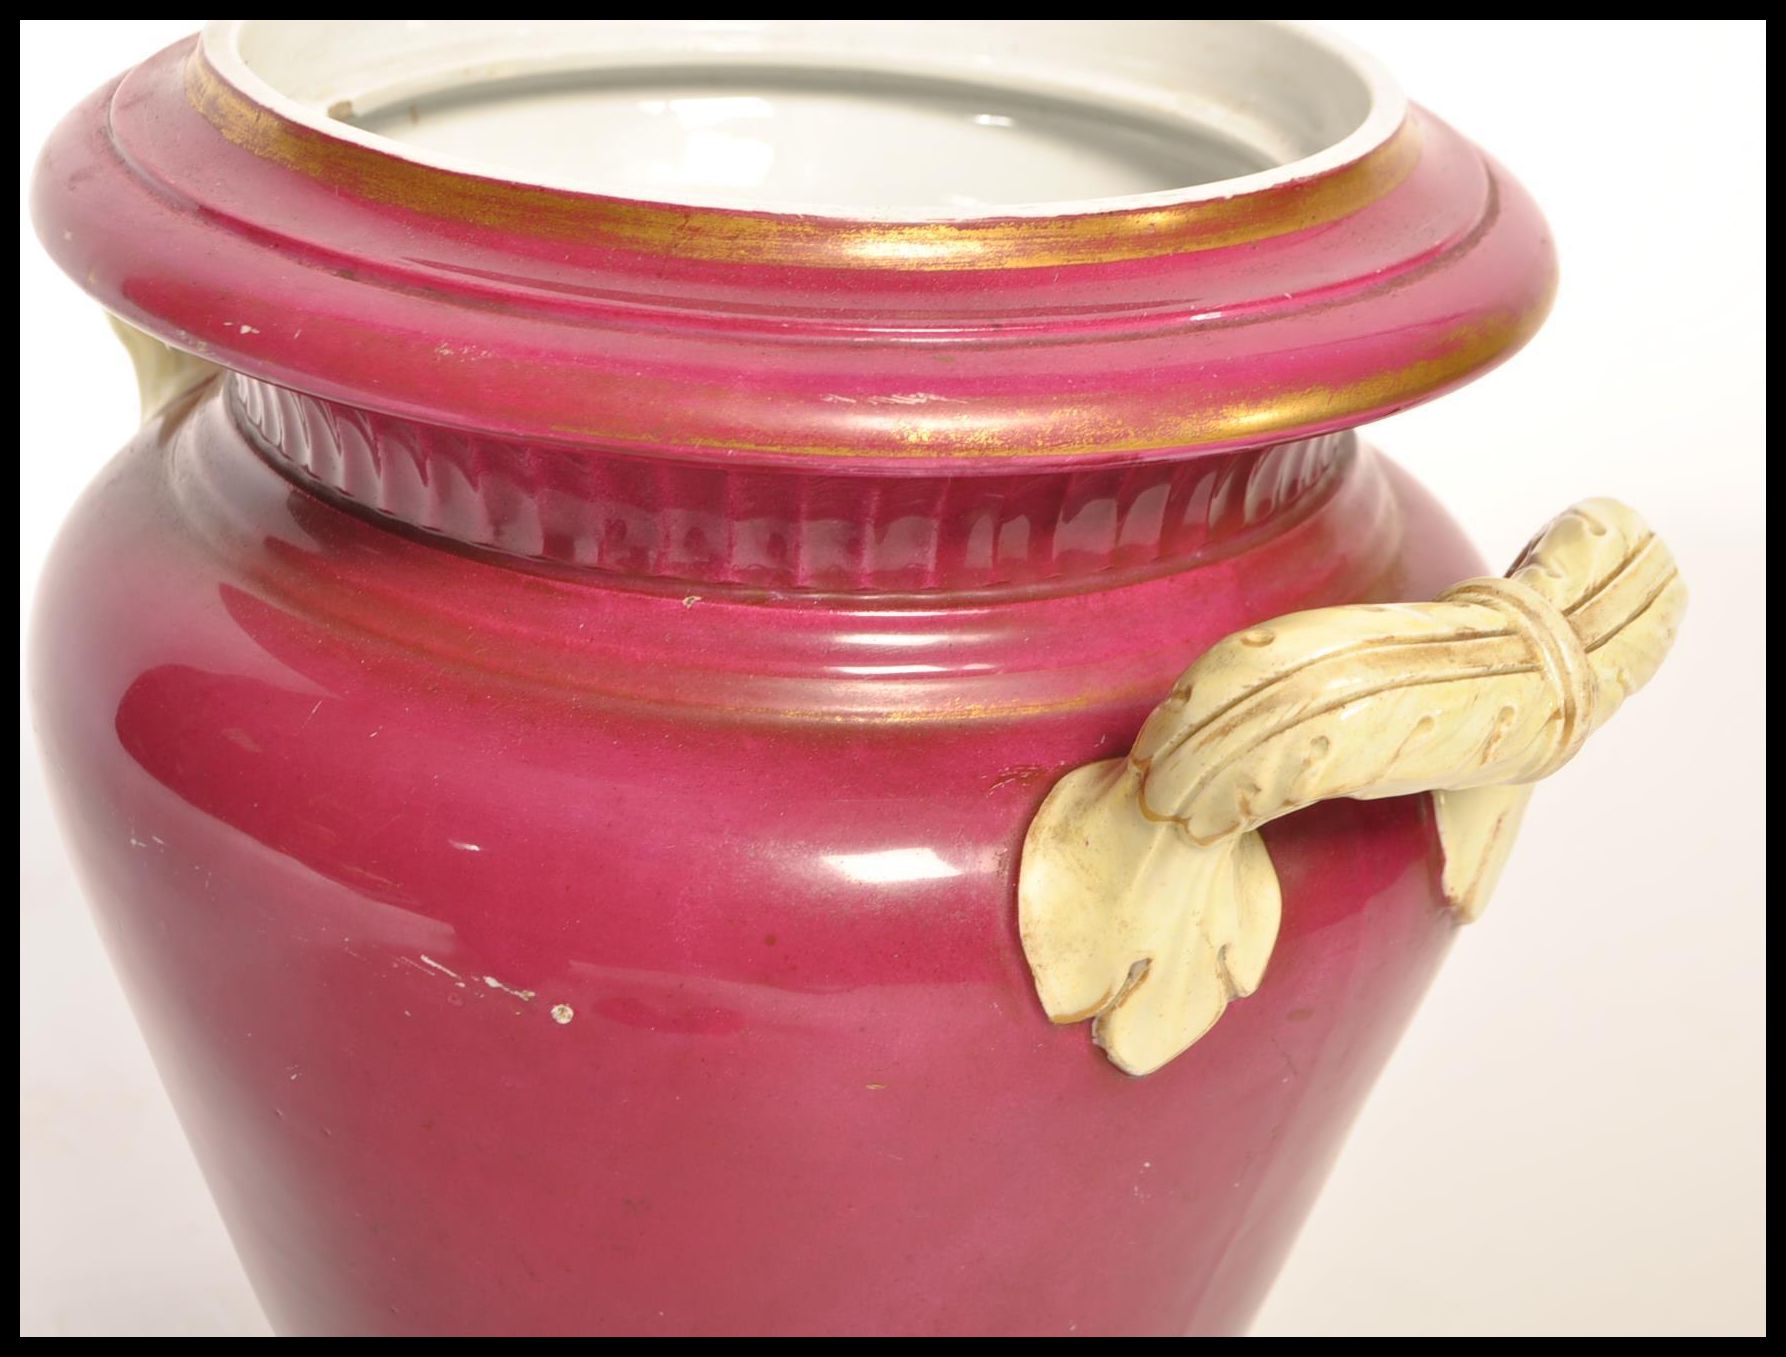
x=527, y=954
x=650, y=519
x=559, y=833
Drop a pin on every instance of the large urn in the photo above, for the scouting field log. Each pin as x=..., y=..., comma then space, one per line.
x=748, y=677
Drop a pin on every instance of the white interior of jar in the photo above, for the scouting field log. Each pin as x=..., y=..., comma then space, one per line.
x=888, y=119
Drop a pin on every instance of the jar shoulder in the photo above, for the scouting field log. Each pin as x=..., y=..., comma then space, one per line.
x=192, y=535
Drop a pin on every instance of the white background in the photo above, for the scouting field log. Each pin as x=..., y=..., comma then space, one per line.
x=1570, y=1139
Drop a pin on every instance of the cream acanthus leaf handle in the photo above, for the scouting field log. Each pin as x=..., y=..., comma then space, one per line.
x=162, y=371
x=1147, y=900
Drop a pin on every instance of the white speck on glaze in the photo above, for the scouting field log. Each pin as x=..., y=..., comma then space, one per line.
x=526, y=996
x=449, y=973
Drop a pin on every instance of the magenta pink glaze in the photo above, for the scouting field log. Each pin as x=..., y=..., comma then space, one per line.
x=541, y=939
x=295, y=278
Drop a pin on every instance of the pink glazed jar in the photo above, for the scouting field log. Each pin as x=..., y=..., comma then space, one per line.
x=622, y=717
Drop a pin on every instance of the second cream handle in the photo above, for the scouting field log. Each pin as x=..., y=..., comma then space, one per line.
x=162, y=371
x=1146, y=899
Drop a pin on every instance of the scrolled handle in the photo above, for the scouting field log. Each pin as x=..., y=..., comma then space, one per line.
x=1146, y=899
x=162, y=371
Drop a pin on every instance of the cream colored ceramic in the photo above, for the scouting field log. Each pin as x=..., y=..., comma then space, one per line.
x=1148, y=901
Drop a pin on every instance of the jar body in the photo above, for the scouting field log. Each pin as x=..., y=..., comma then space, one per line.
x=541, y=951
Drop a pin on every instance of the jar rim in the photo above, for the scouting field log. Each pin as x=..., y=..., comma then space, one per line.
x=304, y=259
x=1304, y=101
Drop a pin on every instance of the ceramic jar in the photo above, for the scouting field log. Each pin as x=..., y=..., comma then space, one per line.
x=622, y=718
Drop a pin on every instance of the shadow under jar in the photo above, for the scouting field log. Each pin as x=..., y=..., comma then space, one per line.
x=632, y=521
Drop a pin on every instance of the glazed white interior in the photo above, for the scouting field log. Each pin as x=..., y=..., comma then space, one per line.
x=914, y=119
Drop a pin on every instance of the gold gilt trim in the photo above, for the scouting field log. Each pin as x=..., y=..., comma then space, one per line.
x=785, y=239
x=1087, y=430
x=993, y=428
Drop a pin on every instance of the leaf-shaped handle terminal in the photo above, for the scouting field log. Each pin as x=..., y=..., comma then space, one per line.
x=1147, y=900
